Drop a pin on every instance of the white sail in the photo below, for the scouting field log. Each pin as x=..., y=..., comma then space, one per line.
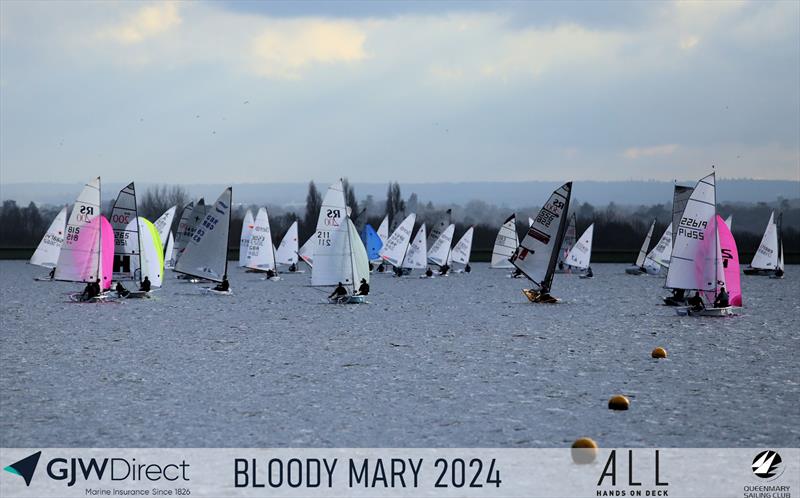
x=537, y=253
x=305, y=252
x=505, y=244
x=689, y=267
x=439, y=253
x=196, y=216
x=438, y=229
x=180, y=232
x=126, y=235
x=79, y=259
x=244, y=240
x=417, y=253
x=169, y=262
x=645, y=245
x=152, y=255
x=729, y=221
x=463, y=248
x=359, y=259
x=661, y=253
x=383, y=229
x=766, y=257
x=286, y=253
x=394, y=250
x=206, y=254
x=164, y=223
x=332, y=215
x=580, y=255
x=570, y=237
x=260, y=254
x=49, y=248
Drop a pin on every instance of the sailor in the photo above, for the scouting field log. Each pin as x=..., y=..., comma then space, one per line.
x=778, y=273
x=338, y=292
x=696, y=302
x=270, y=273
x=293, y=267
x=145, y=287
x=88, y=292
x=589, y=272
x=96, y=288
x=467, y=268
x=381, y=268
x=429, y=272
x=363, y=289
x=398, y=272
x=678, y=294
x=121, y=290
x=722, y=300
x=224, y=286
x=516, y=273
x=561, y=265
x=52, y=274
x=371, y=266
x=444, y=269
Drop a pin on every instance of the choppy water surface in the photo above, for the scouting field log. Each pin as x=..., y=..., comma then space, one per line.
x=458, y=361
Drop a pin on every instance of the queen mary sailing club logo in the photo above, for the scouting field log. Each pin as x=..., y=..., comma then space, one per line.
x=768, y=465
x=25, y=467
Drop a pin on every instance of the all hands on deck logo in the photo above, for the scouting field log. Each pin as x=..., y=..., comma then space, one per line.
x=25, y=467
x=768, y=465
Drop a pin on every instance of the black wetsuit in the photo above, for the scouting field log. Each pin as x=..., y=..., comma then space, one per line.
x=224, y=286
x=145, y=285
x=339, y=291
x=696, y=302
x=363, y=290
x=428, y=273
x=121, y=290
x=293, y=268
x=722, y=300
x=467, y=269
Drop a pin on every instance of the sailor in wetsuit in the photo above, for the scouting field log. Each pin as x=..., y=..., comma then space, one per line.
x=338, y=292
x=121, y=290
x=270, y=273
x=363, y=289
x=696, y=302
x=589, y=272
x=467, y=268
x=429, y=272
x=444, y=269
x=722, y=300
x=145, y=287
x=52, y=274
x=293, y=268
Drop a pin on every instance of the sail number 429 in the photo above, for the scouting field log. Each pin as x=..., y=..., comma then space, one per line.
x=457, y=473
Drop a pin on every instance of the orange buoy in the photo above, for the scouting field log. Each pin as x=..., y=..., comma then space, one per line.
x=659, y=352
x=619, y=402
x=584, y=451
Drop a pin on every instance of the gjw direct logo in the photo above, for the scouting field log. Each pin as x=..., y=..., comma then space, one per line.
x=768, y=465
x=25, y=467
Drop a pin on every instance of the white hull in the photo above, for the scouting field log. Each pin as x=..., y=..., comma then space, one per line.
x=712, y=312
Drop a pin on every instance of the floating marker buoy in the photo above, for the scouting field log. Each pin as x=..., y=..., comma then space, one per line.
x=659, y=352
x=584, y=451
x=619, y=402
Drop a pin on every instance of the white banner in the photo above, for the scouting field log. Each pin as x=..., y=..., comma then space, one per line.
x=396, y=472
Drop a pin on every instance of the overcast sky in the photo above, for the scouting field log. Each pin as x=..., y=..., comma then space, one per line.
x=220, y=92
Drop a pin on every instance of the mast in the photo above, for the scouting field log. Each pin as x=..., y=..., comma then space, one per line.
x=227, y=235
x=138, y=232
x=350, y=255
x=410, y=241
x=716, y=237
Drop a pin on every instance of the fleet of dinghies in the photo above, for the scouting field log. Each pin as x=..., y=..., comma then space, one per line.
x=697, y=250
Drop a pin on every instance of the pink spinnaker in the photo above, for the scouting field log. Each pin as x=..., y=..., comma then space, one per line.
x=106, y=252
x=730, y=262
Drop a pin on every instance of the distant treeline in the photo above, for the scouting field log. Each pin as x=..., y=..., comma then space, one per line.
x=617, y=228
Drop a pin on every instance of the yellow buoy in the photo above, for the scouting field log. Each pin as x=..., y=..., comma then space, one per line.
x=659, y=352
x=619, y=402
x=584, y=451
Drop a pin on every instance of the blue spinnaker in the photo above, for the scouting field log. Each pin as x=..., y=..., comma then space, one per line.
x=372, y=242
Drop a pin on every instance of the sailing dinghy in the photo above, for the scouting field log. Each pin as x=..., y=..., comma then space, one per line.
x=638, y=267
x=260, y=253
x=49, y=248
x=287, y=251
x=439, y=253
x=765, y=261
x=505, y=244
x=697, y=261
x=537, y=254
x=396, y=246
x=658, y=257
x=339, y=256
x=150, y=263
x=88, y=251
x=415, y=258
x=462, y=251
x=206, y=253
x=580, y=255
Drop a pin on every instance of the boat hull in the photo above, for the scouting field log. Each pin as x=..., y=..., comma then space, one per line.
x=634, y=271
x=759, y=272
x=538, y=297
x=708, y=312
x=348, y=300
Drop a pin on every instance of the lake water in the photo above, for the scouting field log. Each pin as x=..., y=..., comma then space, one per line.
x=460, y=361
